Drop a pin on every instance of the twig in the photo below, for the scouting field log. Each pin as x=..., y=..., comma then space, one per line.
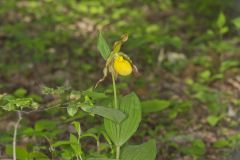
x=15, y=134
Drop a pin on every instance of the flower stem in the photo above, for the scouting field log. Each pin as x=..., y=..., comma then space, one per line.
x=15, y=134
x=116, y=106
x=115, y=92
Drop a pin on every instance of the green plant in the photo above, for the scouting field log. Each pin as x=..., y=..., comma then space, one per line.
x=119, y=64
x=122, y=115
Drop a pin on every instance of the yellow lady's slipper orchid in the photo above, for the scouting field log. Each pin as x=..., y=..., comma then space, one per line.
x=122, y=66
x=118, y=63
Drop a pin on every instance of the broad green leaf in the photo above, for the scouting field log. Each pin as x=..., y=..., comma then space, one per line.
x=21, y=153
x=154, y=105
x=103, y=46
x=145, y=151
x=221, y=20
x=120, y=133
x=72, y=109
x=109, y=113
x=236, y=22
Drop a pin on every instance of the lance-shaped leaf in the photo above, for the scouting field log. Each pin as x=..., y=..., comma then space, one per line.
x=103, y=47
x=120, y=133
x=146, y=151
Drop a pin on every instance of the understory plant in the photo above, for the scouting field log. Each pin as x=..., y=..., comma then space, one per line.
x=121, y=114
x=119, y=64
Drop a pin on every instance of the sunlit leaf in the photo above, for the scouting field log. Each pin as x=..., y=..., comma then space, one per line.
x=120, y=133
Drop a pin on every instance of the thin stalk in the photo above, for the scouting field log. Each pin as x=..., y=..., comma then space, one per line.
x=115, y=92
x=116, y=106
x=98, y=146
x=117, y=152
x=15, y=134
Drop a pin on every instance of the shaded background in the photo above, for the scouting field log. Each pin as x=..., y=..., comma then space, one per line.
x=187, y=53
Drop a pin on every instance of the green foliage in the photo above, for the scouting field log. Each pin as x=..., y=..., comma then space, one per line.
x=154, y=105
x=144, y=151
x=187, y=53
x=197, y=148
x=108, y=113
x=18, y=101
x=236, y=22
x=23, y=154
x=120, y=133
x=103, y=47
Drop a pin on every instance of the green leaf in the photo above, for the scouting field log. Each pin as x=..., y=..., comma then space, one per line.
x=94, y=95
x=197, y=148
x=205, y=75
x=72, y=109
x=154, y=105
x=146, y=151
x=213, y=120
x=75, y=145
x=45, y=125
x=221, y=20
x=20, y=93
x=38, y=155
x=224, y=30
x=222, y=143
x=103, y=46
x=61, y=143
x=227, y=64
x=21, y=153
x=120, y=133
x=100, y=159
x=19, y=103
x=236, y=22
x=77, y=127
x=89, y=135
x=109, y=113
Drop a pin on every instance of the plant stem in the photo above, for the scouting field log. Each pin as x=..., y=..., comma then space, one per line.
x=116, y=106
x=15, y=134
x=98, y=146
x=115, y=92
x=117, y=152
